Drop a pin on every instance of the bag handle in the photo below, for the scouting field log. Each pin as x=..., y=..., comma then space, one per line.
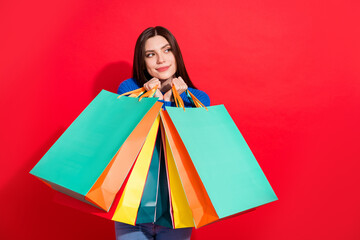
x=134, y=93
x=177, y=99
x=194, y=100
x=150, y=93
x=140, y=93
x=180, y=103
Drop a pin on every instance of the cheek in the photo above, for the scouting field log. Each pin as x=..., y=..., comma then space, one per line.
x=172, y=60
x=174, y=64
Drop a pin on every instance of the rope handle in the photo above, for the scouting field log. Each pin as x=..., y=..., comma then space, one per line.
x=196, y=102
x=177, y=99
x=142, y=93
x=134, y=93
x=150, y=93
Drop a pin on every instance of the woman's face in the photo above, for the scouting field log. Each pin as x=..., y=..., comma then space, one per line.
x=159, y=59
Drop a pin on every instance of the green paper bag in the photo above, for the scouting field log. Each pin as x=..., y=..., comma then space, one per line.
x=163, y=210
x=229, y=171
x=154, y=206
x=78, y=158
x=146, y=212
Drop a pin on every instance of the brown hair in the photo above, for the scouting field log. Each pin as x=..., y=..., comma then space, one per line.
x=140, y=73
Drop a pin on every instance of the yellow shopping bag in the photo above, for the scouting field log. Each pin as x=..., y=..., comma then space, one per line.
x=129, y=203
x=181, y=213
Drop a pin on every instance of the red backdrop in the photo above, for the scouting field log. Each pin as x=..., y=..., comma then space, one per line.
x=287, y=71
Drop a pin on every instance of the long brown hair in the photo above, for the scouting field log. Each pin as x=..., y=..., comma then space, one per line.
x=140, y=73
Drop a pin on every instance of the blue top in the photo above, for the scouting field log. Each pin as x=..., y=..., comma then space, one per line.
x=131, y=84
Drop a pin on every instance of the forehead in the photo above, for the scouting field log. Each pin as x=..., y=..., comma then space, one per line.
x=155, y=43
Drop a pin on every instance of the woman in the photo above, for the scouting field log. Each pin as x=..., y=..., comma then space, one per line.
x=158, y=63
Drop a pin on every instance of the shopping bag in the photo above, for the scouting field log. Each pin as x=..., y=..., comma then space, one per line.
x=181, y=212
x=154, y=205
x=147, y=208
x=129, y=203
x=225, y=164
x=73, y=203
x=163, y=208
x=84, y=207
x=199, y=202
x=84, y=160
x=126, y=207
x=111, y=179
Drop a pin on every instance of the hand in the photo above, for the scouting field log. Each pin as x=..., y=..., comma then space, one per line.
x=154, y=82
x=180, y=86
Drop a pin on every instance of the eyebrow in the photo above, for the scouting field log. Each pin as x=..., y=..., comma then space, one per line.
x=160, y=48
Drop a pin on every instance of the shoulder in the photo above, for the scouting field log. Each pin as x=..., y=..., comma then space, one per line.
x=128, y=85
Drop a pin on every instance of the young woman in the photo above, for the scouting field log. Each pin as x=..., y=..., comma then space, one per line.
x=158, y=63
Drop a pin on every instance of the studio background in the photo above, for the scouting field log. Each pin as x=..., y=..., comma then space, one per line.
x=287, y=71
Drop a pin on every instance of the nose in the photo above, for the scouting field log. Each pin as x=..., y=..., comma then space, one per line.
x=160, y=58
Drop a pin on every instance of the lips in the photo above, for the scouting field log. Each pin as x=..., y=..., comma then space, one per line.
x=162, y=69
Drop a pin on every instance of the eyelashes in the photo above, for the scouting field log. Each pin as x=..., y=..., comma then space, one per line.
x=151, y=54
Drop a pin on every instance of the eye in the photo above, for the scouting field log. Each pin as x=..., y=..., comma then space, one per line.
x=149, y=55
x=167, y=50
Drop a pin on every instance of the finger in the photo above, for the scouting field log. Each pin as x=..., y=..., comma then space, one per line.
x=158, y=93
x=182, y=81
x=146, y=86
x=157, y=83
x=176, y=82
x=179, y=85
x=184, y=86
x=152, y=83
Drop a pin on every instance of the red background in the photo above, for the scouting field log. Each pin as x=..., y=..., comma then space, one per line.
x=287, y=71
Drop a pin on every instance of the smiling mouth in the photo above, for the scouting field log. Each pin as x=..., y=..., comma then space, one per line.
x=162, y=69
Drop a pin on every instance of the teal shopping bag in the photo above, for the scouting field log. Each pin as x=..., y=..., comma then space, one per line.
x=229, y=171
x=163, y=210
x=154, y=205
x=78, y=158
x=147, y=208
